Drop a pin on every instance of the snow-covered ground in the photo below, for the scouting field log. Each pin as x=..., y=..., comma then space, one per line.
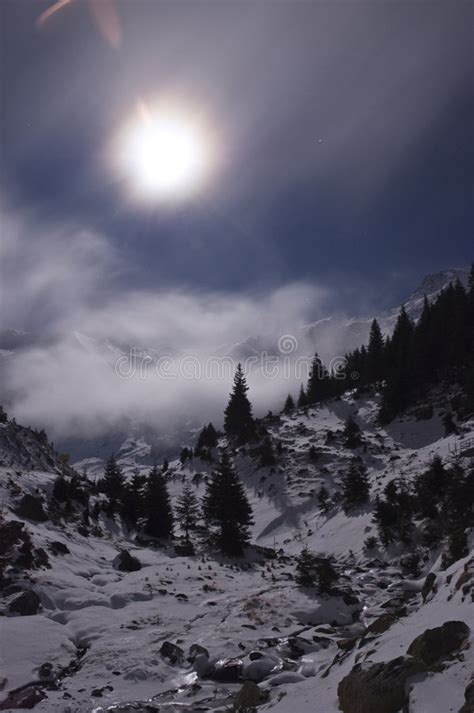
x=102, y=630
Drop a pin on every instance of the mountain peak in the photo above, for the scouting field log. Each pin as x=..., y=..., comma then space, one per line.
x=437, y=281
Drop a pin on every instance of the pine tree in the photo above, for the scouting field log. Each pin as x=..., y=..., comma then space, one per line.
x=133, y=500
x=112, y=483
x=212, y=436
x=318, y=382
x=399, y=354
x=266, y=453
x=457, y=547
x=60, y=489
x=352, y=435
x=375, y=353
x=289, y=404
x=355, y=484
x=208, y=439
x=238, y=419
x=394, y=513
x=324, y=499
x=302, y=399
x=185, y=455
x=187, y=512
x=449, y=424
x=471, y=281
x=423, y=361
x=385, y=517
x=305, y=575
x=227, y=512
x=157, y=507
x=458, y=503
x=314, y=571
x=430, y=489
x=3, y=415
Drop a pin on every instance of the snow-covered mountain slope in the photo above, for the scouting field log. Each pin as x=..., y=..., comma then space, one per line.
x=102, y=637
x=23, y=447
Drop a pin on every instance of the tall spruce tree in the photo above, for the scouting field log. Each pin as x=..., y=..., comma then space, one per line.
x=375, y=353
x=238, y=419
x=423, y=362
x=158, y=513
x=289, y=404
x=318, y=387
x=302, y=400
x=315, y=571
x=400, y=377
x=187, y=513
x=430, y=488
x=355, y=484
x=352, y=435
x=112, y=484
x=132, y=500
x=208, y=438
x=227, y=511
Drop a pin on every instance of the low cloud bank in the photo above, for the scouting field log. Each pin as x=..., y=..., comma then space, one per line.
x=105, y=355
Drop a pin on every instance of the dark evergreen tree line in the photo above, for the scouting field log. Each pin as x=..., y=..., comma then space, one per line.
x=438, y=347
x=440, y=500
x=223, y=517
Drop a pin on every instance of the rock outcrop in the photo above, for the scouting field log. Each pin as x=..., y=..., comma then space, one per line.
x=25, y=604
x=125, y=562
x=31, y=508
x=378, y=688
x=435, y=645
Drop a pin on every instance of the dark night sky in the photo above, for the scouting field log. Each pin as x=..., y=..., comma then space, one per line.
x=346, y=130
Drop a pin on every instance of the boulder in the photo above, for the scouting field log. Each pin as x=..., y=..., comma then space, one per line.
x=437, y=644
x=26, y=604
x=227, y=671
x=11, y=533
x=59, y=548
x=255, y=655
x=379, y=687
x=428, y=585
x=346, y=644
x=307, y=669
x=46, y=671
x=381, y=624
x=298, y=646
x=125, y=562
x=250, y=696
x=203, y=666
x=24, y=697
x=468, y=706
x=261, y=668
x=195, y=650
x=172, y=652
x=31, y=508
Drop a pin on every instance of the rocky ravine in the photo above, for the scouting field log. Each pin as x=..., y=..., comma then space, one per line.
x=86, y=628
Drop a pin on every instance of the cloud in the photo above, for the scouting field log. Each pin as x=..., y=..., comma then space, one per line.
x=50, y=270
x=68, y=280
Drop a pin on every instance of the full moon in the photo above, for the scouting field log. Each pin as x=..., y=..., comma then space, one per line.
x=165, y=152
